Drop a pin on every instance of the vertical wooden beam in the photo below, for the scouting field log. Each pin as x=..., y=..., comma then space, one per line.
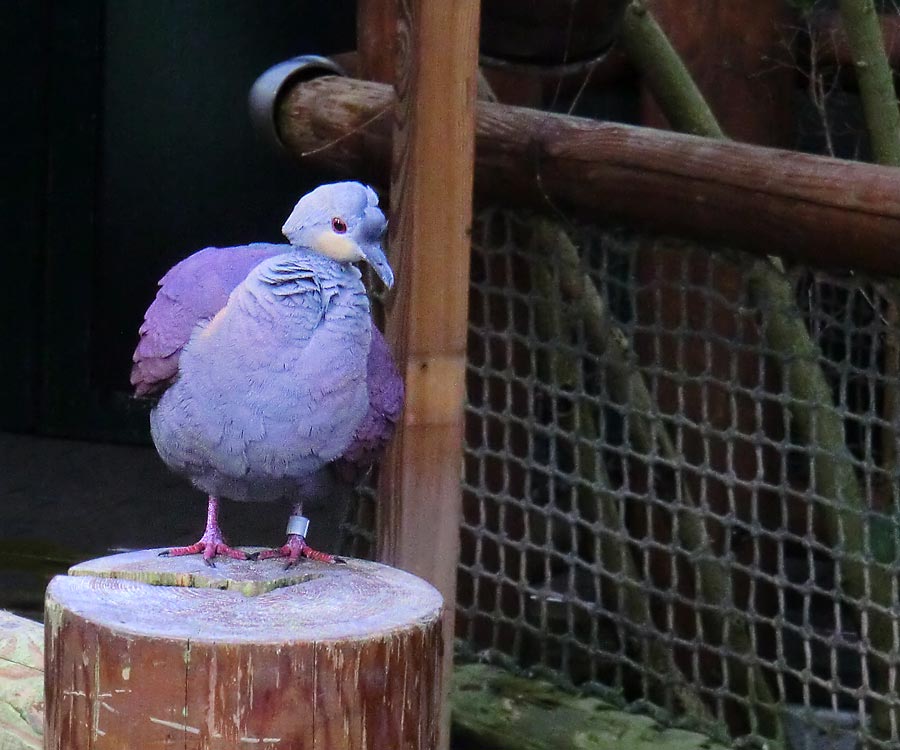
x=376, y=39
x=431, y=213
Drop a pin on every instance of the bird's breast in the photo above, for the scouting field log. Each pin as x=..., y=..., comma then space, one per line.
x=252, y=396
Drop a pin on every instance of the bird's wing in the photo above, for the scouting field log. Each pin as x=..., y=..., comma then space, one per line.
x=385, y=403
x=192, y=292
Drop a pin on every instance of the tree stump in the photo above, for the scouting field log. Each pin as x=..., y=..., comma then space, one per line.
x=151, y=652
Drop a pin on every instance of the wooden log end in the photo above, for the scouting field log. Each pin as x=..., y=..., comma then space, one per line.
x=144, y=650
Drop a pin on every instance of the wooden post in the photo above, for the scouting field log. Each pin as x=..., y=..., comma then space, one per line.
x=431, y=197
x=143, y=651
x=377, y=23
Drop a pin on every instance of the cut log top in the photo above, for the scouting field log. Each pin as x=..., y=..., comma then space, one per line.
x=240, y=601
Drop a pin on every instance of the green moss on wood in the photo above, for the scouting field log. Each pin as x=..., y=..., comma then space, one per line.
x=495, y=709
x=189, y=572
x=665, y=73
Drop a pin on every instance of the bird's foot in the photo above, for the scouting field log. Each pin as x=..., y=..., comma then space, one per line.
x=295, y=548
x=210, y=545
x=212, y=542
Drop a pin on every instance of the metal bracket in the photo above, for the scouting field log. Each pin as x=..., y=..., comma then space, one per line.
x=268, y=89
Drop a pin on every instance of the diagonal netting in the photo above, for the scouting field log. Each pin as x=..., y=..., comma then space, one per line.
x=680, y=479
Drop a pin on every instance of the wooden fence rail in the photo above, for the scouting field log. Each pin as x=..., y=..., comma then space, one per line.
x=767, y=201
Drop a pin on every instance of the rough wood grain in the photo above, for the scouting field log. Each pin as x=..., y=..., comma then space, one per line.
x=812, y=208
x=21, y=683
x=488, y=704
x=334, y=656
x=431, y=209
x=376, y=39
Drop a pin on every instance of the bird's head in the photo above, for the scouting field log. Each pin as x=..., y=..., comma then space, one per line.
x=341, y=221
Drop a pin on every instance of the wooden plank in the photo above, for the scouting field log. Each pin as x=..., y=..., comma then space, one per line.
x=21, y=683
x=739, y=55
x=431, y=209
x=811, y=208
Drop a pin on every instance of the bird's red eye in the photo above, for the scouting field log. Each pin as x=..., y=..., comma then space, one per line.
x=339, y=225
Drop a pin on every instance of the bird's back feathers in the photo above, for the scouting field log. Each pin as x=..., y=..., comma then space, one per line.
x=192, y=292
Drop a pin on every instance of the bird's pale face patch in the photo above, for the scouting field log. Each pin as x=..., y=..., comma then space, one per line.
x=339, y=247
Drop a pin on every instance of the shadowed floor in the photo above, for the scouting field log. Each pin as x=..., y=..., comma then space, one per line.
x=62, y=501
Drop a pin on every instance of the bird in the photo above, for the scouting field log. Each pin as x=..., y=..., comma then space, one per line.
x=270, y=379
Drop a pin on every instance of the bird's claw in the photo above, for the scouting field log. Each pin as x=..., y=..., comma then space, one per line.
x=210, y=547
x=295, y=548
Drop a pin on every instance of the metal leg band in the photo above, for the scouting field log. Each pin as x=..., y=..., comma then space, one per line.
x=298, y=525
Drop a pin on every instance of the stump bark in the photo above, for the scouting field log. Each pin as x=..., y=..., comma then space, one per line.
x=150, y=652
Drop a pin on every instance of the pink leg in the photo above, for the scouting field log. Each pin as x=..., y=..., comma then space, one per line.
x=296, y=547
x=212, y=542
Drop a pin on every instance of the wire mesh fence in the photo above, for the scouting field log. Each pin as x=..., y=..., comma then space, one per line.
x=680, y=479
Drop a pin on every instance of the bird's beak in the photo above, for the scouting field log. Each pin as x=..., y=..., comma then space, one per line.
x=375, y=257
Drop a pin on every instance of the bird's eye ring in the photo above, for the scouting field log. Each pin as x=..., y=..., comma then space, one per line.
x=339, y=225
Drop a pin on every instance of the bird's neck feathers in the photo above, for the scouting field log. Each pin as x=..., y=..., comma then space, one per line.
x=301, y=284
x=284, y=300
x=302, y=262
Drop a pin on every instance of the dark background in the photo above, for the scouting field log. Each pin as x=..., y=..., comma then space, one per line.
x=131, y=148
x=127, y=146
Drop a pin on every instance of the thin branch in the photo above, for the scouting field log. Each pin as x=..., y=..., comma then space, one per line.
x=875, y=79
x=665, y=73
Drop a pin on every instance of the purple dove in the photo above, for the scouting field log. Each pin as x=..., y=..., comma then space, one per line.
x=273, y=382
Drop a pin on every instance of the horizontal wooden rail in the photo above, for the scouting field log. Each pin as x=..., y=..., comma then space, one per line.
x=766, y=201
